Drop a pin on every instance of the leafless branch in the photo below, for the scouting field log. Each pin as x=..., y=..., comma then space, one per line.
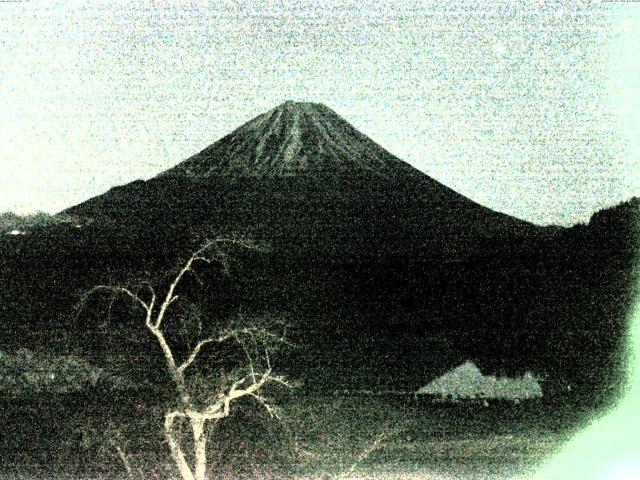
x=125, y=460
x=271, y=410
x=194, y=353
x=115, y=291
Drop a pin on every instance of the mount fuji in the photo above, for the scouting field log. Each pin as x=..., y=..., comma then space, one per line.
x=387, y=275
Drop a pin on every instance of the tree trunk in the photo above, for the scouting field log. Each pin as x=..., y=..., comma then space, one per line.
x=200, y=447
x=176, y=451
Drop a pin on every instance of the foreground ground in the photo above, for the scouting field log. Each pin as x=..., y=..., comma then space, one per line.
x=318, y=436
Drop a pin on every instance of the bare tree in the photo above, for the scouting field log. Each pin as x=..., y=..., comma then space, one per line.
x=200, y=403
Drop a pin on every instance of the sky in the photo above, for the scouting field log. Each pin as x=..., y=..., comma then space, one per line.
x=530, y=108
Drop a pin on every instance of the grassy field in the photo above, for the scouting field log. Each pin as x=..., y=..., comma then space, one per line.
x=317, y=436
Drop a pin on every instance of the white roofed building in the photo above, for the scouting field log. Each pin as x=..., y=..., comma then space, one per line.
x=467, y=382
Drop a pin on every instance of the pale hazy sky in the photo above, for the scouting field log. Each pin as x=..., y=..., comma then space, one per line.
x=530, y=108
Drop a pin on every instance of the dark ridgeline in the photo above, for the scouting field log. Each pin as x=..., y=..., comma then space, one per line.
x=388, y=277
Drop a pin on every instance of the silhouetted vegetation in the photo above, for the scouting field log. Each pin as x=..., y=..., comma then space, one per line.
x=12, y=221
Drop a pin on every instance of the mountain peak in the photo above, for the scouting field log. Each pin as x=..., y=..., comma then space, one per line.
x=292, y=138
x=295, y=105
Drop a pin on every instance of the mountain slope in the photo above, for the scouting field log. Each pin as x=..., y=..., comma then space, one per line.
x=292, y=138
x=301, y=175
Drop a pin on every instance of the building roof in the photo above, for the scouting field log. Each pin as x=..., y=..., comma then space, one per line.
x=467, y=381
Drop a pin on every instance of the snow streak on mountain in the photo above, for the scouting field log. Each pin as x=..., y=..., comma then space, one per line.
x=291, y=138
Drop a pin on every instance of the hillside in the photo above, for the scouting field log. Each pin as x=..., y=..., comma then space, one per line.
x=302, y=178
x=387, y=276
